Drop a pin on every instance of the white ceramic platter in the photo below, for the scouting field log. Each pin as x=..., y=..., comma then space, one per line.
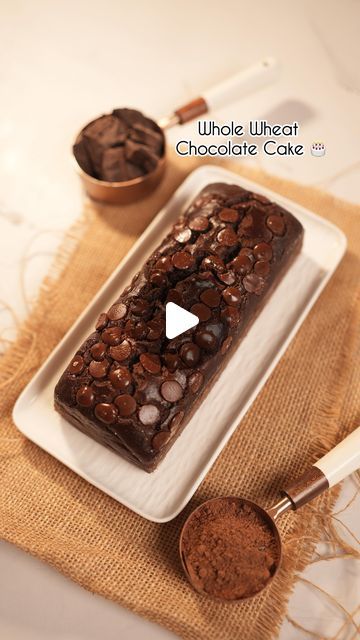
x=161, y=495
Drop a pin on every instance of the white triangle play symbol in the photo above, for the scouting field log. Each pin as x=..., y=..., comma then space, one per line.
x=178, y=320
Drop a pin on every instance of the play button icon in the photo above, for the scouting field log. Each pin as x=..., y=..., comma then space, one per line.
x=178, y=320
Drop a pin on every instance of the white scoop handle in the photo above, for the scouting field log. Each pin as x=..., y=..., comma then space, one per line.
x=332, y=468
x=247, y=80
x=342, y=460
x=250, y=79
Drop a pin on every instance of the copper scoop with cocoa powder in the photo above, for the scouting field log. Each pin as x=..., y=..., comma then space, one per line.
x=121, y=156
x=230, y=547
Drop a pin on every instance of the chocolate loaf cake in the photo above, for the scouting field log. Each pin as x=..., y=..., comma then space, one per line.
x=128, y=386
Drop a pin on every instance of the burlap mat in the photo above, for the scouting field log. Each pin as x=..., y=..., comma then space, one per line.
x=308, y=404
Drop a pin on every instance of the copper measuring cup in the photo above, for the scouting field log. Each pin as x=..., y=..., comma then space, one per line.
x=247, y=80
x=331, y=469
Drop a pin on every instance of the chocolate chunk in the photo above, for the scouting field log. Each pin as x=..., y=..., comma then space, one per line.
x=126, y=405
x=112, y=335
x=120, y=146
x=85, y=396
x=171, y=391
x=232, y=296
x=227, y=237
x=148, y=137
x=120, y=378
x=151, y=363
x=228, y=215
x=196, y=381
x=183, y=260
x=98, y=369
x=190, y=354
x=140, y=155
x=254, y=283
x=276, y=224
x=200, y=223
x=121, y=352
x=77, y=365
x=98, y=350
x=160, y=439
x=206, y=340
x=113, y=165
x=149, y=414
x=263, y=251
x=106, y=412
x=201, y=311
x=117, y=311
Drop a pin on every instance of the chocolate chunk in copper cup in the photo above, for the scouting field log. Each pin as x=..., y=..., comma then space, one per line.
x=120, y=157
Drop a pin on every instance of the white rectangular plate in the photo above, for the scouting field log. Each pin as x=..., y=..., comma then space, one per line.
x=161, y=495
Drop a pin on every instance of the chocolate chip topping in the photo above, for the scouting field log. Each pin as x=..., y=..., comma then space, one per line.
x=253, y=283
x=160, y=439
x=228, y=215
x=149, y=414
x=101, y=322
x=262, y=268
x=227, y=237
x=202, y=311
x=210, y=297
x=171, y=391
x=263, y=251
x=106, y=412
x=232, y=296
x=276, y=224
x=121, y=351
x=98, y=350
x=117, y=311
x=183, y=235
x=200, y=223
x=151, y=363
x=196, y=381
x=206, y=340
x=120, y=378
x=242, y=264
x=77, y=365
x=183, y=260
x=190, y=354
x=98, y=369
x=126, y=405
x=85, y=396
x=112, y=335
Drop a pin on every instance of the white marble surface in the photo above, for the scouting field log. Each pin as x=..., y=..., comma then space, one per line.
x=61, y=65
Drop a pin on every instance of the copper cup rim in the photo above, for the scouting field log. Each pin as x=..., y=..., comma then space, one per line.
x=124, y=183
x=274, y=529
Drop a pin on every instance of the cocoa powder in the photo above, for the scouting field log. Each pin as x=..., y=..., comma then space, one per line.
x=230, y=551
